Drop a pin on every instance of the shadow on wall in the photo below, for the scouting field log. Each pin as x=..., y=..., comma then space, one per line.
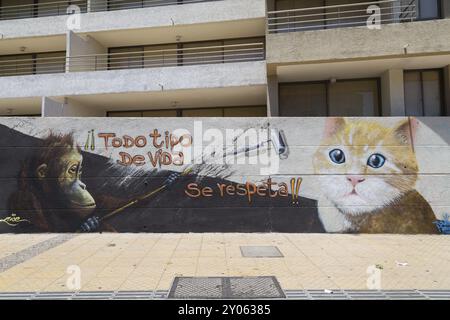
x=114, y=186
x=438, y=125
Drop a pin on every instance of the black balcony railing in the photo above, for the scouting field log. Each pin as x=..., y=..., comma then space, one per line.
x=41, y=9
x=340, y=16
x=169, y=57
x=110, y=5
x=28, y=64
x=62, y=7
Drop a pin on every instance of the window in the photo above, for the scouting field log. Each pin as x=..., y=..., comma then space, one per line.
x=353, y=98
x=428, y=9
x=190, y=53
x=18, y=9
x=343, y=98
x=12, y=65
x=423, y=93
x=33, y=63
x=125, y=58
x=53, y=62
x=248, y=111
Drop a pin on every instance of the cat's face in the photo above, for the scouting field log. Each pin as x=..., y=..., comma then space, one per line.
x=364, y=166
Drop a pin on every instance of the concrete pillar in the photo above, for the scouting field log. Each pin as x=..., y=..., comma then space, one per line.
x=273, y=109
x=68, y=108
x=50, y=107
x=81, y=53
x=393, y=93
x=445, y=8
x=447, y=89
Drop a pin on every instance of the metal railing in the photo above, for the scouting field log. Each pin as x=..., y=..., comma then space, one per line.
x=169, y=57
x=339, y=16
x=27, y=66
x=55, y=8
x=44, y=9
x=111, y=5
x=133, y=60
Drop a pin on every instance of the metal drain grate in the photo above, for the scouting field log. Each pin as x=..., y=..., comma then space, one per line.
x=261, y=252
x=86, y=295
x=368, y=295
x=290, y=294
x=226, y=288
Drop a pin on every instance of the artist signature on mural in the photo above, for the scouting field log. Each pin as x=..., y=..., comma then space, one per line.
x=13, y=220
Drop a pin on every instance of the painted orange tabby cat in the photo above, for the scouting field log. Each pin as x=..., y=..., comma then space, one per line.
x=368, y=174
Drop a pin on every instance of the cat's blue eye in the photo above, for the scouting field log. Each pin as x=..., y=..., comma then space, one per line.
x=337, y=156
x=376, y=161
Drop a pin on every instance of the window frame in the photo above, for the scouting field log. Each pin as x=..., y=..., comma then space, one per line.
x=180, y=110
x=327, y=83
x=441, y=89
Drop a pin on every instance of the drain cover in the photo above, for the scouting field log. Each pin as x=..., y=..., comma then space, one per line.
x=225, y=288
x=261, y=252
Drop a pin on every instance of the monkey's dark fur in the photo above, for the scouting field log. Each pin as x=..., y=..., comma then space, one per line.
x=39, y=201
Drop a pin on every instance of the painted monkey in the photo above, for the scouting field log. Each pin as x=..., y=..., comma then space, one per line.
x=93, y=223
x=50, y=192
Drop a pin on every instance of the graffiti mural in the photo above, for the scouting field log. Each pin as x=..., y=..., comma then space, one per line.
x=340, y=175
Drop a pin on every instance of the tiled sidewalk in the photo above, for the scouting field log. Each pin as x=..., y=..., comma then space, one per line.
x=133, y=262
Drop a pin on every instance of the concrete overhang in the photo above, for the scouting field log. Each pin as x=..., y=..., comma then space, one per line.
x=359, y=43
x=188, y=98
x=354, y=69
x=193, y=22
x=203, y=85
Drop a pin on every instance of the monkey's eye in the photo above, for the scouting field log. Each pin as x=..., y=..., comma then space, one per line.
x=73, y=169
x=376, y=161
x=337, y=156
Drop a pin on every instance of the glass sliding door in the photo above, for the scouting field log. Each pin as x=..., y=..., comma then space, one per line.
x=319, y=99
x=423, y=93
x=354, y=98
x=303, y=99
x=428, y=9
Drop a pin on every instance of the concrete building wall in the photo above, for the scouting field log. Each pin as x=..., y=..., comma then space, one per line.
x=419, y=38
x=447, y=89
x=80, y=46
x=445, y=8
x=136, y=80
x=298, y=182
x=392, y=93
x=272, y=96
x=152, y=17
x=68, y=108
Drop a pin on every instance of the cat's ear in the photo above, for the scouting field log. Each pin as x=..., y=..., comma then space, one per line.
x=405, y=131
x=333, y=125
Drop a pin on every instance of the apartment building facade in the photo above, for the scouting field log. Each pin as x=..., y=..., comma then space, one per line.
x=243, y=58
x=102, y=90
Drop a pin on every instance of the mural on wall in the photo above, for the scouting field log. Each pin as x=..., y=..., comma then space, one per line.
x=340, y=175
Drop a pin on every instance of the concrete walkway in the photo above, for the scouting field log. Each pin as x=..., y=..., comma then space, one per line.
x=132, y=262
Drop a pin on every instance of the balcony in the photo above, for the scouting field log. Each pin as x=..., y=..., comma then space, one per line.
x=29, y=64
x=170, y=57
x=407, y=29
x=35, y=63
x=161, y=76
x=340, y=16
x=14, y=10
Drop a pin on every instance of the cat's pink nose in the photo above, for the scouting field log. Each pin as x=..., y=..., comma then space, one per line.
x=354, y=180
